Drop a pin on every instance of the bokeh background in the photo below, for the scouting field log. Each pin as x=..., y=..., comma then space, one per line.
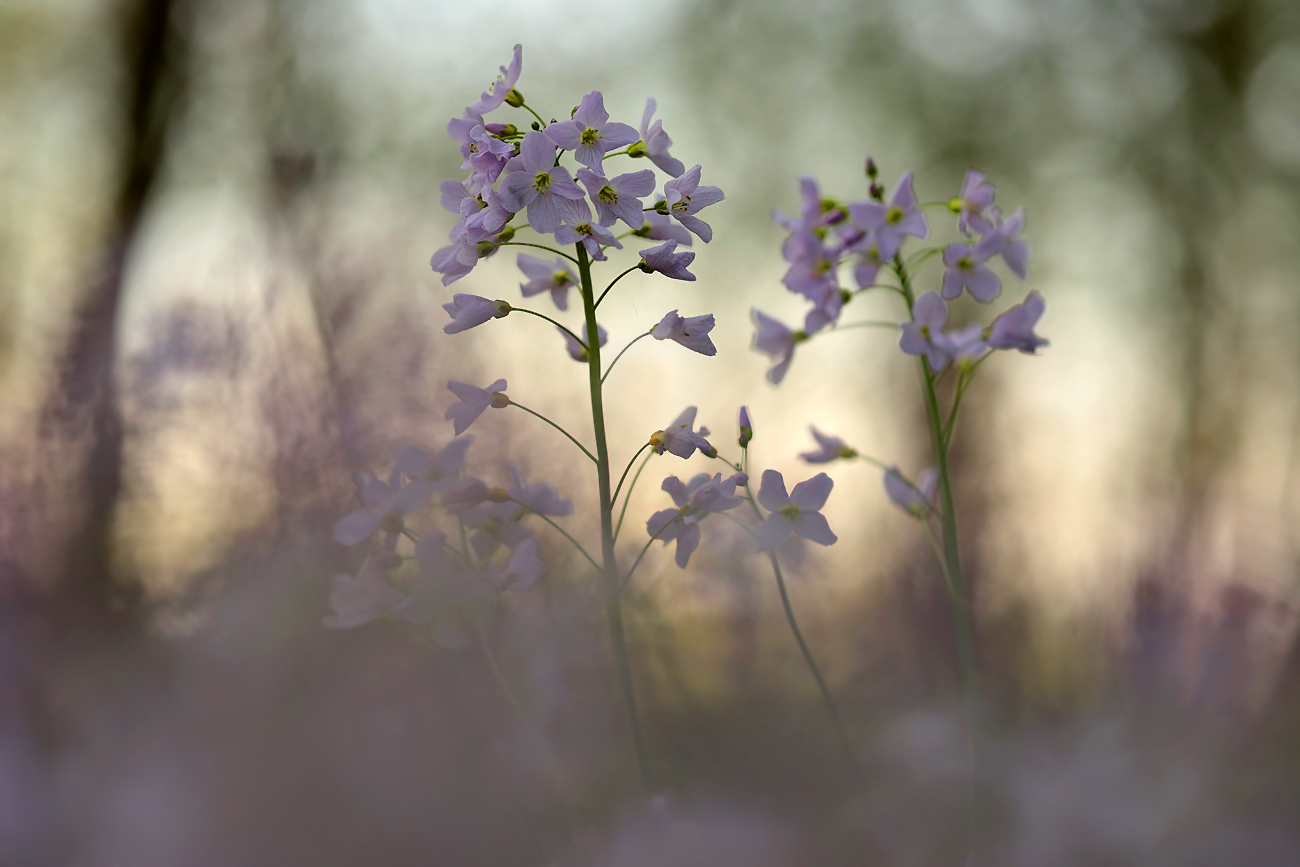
x=215, y=307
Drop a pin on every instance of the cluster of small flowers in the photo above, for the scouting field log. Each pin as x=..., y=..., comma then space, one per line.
x=870, y=236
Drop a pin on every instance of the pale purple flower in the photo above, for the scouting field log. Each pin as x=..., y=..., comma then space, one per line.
x=684, y=198
x=495, y=524
x=473, y=401
x=501, y=87
x=967, y=271
x=578, y=351
x=746, y=428
x=1014, y=328
x=383, y=507
x=443, y=584
x=695, y=500
x=830, y=448
x=797, y=512
x=969, y=345
x=891, y=223
x=539, y=497
x=974, y=202
x=776, y=341
x=871, y=260
x=680, y=438
x=812, y=271
x=690, y=331
x=656, y=143
x=482, y=152
x=815, y=213
x=522, y=570
x=917, y=500
x=1007, y=243
x=533, y=180
x=489, y=220
x=661, y=227
x=824, y=313
x=357, y=601
x=590, y=135
x=440, y=471
x=665, y=260
x=554, y=277
x=924, y=334
x=578, y=227
x=457, y=259
x=460, y=197
x=470, y=311
x=618, y=198
x=462, y=494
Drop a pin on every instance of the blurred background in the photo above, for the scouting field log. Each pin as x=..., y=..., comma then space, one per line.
x=216, y=218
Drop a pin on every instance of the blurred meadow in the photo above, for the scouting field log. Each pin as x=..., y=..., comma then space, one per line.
x=216, y=218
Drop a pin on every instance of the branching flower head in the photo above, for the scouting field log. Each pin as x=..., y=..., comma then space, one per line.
x=590, y=135
x=690, y=331
x=798, y=512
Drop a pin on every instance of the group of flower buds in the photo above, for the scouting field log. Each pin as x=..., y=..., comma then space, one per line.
x=869, y=236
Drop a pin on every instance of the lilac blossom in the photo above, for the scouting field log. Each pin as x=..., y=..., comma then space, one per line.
x=889, y=224
x=1007, y=243
x=655, y=143
x=660, y=227
x=533, y=180
x=681, y=439
x=495, y=524
x=797, y=512
x=665, y=260
x=776, y=341
x=1014, y=328
x=830, y=448
x=357, y=601
x=457, y=259
x=473, y=401
x=618, y=198
x=440, y=471
x=470, y=311
x=482, y=152
x=538, y=497
x=746, y=429
x=690, y=331
x=442, y=585
x=917, y=500
x=499, y=89
x=590, y=135
x=975, y=200
x=826, y=312
x=578, y=351
x=459, y=197
x=869, y=263
x=812, y=267
x=696, y=500
x=383, y=506
x=554, y=277
x=924, y=334
x=578, y=227
x=967, y=271
x=684, y=198
x=489, y=220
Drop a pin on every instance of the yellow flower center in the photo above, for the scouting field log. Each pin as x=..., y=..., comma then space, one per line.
x=790, y=512
x=591, y=136
x=894, y=216
x=542, y=182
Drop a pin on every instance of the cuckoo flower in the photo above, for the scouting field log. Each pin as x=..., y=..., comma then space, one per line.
x=660, y=227
x=499, y=89
x=522, y=570
x=815, y=213
x=812, y=267
x=829, y=449
x=966, y=270
x=690, y=331
x=538, y=496
x=924, y=334
x=578, y=351
x=457, y=259
x=488, y=221
x=578, y=227
x=482, y=152
x=680, y=438
x=554, y=277
x=618, y=198
x=684, y=198
x=655, y=143
x=473, y=401
x=383, y=507
x=442, y=586
x=533, y=180
x=776, y=341
x=890, y=223
x=1014, y=328
x=357, y=601
x=495, y=524
x=665, y=260
x=462, y=494
x=1006, y=241
x=460, y=197
x=470, y=311
x=590, y=135
x=917, y=500
x=797, y=512
x=824, y=313
x=440, y=471
x=973, y=204
x=695, y=500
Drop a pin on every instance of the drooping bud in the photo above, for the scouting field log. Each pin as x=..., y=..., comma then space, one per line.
x=514, y=98
x=877, y=192
x=500, y=400
x=537, y=126
x=485, y=248
x=746, y=427
x=505, y=234
x=503, y=309
x=742, y=479
x=636, y=149
x=872, y=171
x=503, y=129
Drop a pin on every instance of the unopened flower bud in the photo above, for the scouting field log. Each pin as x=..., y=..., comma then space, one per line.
x=505, y=234
x=872, y=171
x=876, y=191
x=514, y=98
x=846, y=296
x=710, y=452
x=503, y=129
x=643, y=264
x=503, y=309
x=799, y=337
x=742, y=479
x=537, y=126
x=485, y=248
x=499, y=400
x=661, y=207
x=392, y=523
x=499, y=495
x=636, y=149
x=746, y=427
x=954, y=205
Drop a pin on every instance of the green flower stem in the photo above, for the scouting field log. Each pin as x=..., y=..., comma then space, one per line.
x=612, y=282
x=871, y=324
x=614, y=154
x=951, y=561
x=822, y=686
x=557, y=427
x=637, y=561
x=605, y=375
x=613, y=587
x=919, y=258
x=562, y=531
x=540, y=247
x=528, y=108
x=632, y=487
x=623, y=477
x=581, y=342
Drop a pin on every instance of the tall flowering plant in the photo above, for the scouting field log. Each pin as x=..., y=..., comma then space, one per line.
x=559, y=176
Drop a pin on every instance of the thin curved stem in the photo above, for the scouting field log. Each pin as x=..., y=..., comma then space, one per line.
x=893, y=326
x=621, y=478
x=581, y=342
x=637, y=561
x=538, y=246
x=614, y=154
x=528, y=108
x=615, y=280
x=630, y=489
x=620, y=355
x=561, y=530
x=556, y=426
x=739, y=523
